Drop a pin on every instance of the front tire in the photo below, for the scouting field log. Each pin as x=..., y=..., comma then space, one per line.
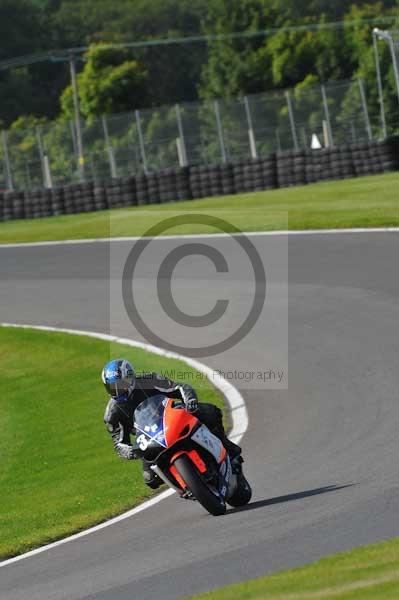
x=212, y=503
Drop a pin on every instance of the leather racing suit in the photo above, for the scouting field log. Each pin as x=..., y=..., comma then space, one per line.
x=119, y=417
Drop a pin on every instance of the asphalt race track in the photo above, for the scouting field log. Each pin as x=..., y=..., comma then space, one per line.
x=322, y=455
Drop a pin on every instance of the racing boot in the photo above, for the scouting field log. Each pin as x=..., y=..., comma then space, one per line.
x=233, y=449
x=235, y=455
x=236, y=464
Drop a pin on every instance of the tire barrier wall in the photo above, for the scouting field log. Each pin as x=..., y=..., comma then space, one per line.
x=274, y=171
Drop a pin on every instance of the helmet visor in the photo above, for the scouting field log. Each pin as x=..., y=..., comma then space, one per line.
x=118, y=389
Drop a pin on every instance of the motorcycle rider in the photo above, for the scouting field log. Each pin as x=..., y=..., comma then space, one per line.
x=127, y=390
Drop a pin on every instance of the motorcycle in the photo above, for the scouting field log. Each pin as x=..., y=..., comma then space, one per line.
x=187, y=456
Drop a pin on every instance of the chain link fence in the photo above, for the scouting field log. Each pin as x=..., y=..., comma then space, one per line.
x=196, y=133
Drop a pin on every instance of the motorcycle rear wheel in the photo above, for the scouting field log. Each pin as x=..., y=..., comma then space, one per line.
x=212, y=503
x=243, y=493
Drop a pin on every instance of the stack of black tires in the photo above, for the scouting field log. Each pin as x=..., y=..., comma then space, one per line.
x=199, y=181
x=292, y=168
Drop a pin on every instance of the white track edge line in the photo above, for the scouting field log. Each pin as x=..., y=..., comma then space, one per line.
x=290, y=232
x=239, y=417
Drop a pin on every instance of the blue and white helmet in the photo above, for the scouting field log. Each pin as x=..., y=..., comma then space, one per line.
x=119, y=379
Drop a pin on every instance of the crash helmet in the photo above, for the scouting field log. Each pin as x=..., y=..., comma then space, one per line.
x=119, y=379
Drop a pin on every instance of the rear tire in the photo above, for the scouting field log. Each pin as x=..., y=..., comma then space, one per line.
x=212, y=503
x=242, y=495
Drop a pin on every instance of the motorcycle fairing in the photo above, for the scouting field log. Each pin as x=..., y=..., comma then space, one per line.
x=195, y=459
x=163, y=421
x=205, y=438
x=177, y=422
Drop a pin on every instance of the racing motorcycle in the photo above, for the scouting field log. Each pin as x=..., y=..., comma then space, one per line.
x=187, y=456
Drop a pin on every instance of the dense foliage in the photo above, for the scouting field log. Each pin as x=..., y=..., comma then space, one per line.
x=283, y=44
x=178, y=72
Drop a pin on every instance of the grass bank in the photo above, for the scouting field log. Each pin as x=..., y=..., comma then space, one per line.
x=363, y=202
x=368, y=573
x=59, y=473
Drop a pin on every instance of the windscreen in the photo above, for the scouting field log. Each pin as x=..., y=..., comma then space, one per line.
x=148, y=416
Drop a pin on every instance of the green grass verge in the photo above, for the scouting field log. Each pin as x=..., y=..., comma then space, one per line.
x=363, y=202
x=59, y=473
x=368, y=573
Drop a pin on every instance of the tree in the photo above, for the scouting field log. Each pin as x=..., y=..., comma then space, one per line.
x=110, y=82
x=173, y=70
x=21, y=32
x=236, y=65
x=358, y=41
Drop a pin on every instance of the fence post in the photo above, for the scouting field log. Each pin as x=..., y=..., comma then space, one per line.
x=365, y=109
x=327, y=115
x=220, y=132
x=385, y=35
x=395, y=63
x=46, y=171
x=251, y=132
x=292, y=120
x=41, y=153
x=180, y=153
x=141, y=140
x=79, y=140
x=182, y=144
x=326, y=134
x=7, y=163
x=379, y=84
x=73, y=136
x=111, y=157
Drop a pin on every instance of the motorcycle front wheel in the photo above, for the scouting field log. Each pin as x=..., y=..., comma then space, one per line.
x=212, y=503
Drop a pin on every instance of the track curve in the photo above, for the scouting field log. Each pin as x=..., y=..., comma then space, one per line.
x=322, y=454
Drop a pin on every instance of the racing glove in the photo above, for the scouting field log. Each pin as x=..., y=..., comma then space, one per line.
x=126, y=451
x=192, y=405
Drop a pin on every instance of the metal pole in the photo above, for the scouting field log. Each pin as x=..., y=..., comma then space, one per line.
x=379, y=83
x=73, y=136
x=251, y=132
x=327, y=115
x=220, y=132
x=180, y=153
x=41, y=153
x=141, y=140
x=7, y=163
x=384, y=35
x=395, y=64
x=365, y=109
x=292, y=120
x=326, y=134
x=182, y=144
x=47, y=171
x=111, y=157
x=79, y=142
x=28, y=177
